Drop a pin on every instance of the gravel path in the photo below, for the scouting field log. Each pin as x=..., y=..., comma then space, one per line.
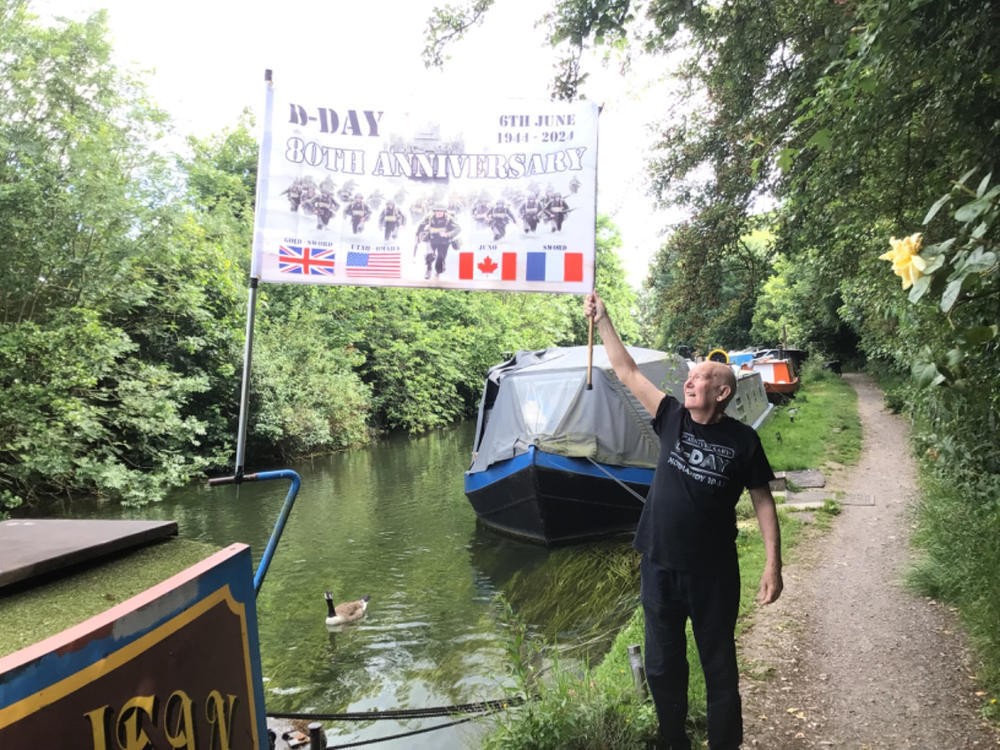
x=848, y=658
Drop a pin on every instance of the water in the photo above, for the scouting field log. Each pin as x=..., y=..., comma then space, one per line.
x=392, y=522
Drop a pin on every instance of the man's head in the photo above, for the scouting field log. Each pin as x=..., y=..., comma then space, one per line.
x=709, y=388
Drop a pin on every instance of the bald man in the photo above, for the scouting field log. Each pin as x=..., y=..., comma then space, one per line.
x=687, y=537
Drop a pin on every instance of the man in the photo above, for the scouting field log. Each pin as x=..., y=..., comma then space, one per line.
x=687, y=534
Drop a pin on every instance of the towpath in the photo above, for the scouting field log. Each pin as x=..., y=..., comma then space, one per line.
x=848, y=657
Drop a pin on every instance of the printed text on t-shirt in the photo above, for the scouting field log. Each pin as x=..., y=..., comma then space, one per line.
x=703, y=461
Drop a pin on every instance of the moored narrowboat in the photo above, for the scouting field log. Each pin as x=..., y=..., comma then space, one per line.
x=555, y=462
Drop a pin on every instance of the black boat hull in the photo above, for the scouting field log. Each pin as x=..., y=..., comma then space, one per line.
x=554, y=500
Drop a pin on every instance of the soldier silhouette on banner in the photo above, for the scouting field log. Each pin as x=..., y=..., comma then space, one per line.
x=531, y=212
x=359, y=212
x=500, y=217
x=481, y=212
x=294, y=193
x=324, y=206
x=391, y=219
x=555, y=211
x=440, y=231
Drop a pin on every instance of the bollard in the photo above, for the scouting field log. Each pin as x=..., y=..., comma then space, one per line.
x=317, y=737
x=638, y=672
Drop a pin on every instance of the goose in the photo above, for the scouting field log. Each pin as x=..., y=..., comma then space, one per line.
x=346, y=612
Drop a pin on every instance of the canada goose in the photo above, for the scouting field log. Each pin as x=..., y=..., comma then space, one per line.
x=346, y=612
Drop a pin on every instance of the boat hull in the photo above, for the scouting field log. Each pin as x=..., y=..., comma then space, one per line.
x=555, y=500
x=784, y=389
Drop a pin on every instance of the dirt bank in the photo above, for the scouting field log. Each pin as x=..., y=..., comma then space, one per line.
x=848, y=658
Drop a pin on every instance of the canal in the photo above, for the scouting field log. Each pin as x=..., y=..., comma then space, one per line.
x=391, y=521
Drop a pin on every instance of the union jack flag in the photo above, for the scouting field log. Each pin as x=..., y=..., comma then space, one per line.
x=308, y=261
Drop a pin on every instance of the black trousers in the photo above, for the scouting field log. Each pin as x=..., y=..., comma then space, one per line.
x=711, y=599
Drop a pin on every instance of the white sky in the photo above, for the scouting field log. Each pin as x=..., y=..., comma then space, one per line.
x=209, y=56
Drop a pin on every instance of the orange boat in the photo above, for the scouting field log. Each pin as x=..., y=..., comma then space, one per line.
x=780, y=380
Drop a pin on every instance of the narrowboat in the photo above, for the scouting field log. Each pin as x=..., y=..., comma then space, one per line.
x=556, y=461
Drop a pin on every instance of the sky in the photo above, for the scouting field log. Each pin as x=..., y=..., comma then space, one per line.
x=207, y=60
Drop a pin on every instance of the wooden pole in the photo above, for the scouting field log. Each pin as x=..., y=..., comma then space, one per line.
x=590, y=354
x=638, y=671
x=317, y=737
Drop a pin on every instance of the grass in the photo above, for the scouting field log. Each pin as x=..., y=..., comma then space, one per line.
x=958, y=527
x=819, y=425
x=598, y=707
x=31, y=613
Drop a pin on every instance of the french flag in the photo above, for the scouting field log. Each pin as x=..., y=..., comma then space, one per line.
x=553, y=266
x=487, y=265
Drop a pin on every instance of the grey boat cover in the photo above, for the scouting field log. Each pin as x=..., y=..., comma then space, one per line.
x=541, y=398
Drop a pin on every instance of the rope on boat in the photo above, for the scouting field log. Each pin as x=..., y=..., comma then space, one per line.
x=484, y=708
x=637, y=496
x=401, y=735
x=408, y=713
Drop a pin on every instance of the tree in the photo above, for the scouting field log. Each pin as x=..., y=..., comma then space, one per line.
x=104, y=310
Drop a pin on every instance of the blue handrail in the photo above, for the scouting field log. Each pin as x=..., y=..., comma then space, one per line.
x=279, y=525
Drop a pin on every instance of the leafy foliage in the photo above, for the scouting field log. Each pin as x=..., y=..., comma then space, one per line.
x=705, y=299
x=100, y=316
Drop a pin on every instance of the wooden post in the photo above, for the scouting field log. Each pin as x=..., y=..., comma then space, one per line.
x=590, y=354
x=638, y=672
x=317, y=737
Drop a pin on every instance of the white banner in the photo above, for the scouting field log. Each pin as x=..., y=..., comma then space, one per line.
x=497, y=195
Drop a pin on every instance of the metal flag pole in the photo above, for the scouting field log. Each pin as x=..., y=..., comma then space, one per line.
x=241, y=430
x=262, y=160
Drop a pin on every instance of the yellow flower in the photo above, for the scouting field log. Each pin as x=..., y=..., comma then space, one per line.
x=906, y=261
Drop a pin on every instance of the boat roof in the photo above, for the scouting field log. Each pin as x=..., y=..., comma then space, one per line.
x=542, y=399
x=569, y=358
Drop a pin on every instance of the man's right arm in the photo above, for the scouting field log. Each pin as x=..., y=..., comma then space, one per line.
x=625, y=367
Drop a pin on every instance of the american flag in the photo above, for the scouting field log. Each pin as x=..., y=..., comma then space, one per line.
x=373, y=265
x=306, y=260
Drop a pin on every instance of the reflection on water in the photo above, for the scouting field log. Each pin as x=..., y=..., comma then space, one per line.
x=392, y=521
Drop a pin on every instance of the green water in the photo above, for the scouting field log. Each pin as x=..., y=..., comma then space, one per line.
x=392, y=522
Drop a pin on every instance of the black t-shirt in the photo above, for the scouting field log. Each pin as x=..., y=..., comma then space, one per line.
x=689, y=519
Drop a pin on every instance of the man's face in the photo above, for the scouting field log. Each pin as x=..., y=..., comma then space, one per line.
x=702, y=389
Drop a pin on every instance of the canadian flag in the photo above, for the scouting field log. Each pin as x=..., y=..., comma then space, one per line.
x=487, y=265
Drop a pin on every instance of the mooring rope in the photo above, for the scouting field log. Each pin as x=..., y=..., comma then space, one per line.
x=359, y=743
x=408, y=713
x=637, y=496
x=481, y=707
